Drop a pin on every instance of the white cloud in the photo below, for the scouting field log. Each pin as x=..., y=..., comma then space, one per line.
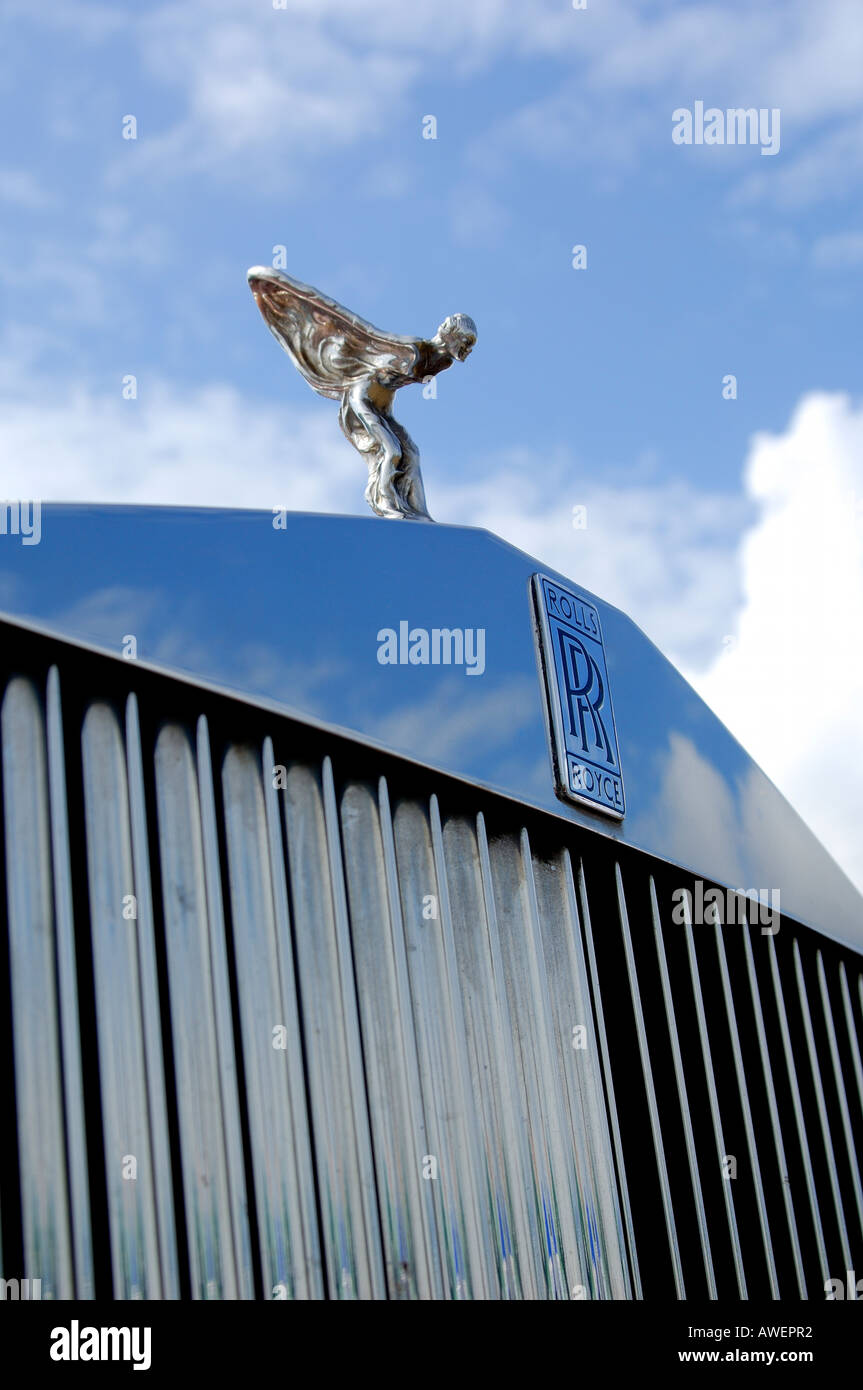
x=791, y=687
x=256, y=93
x=208, y=447
x=22, y=189
x=87, y=19
x=662, y=552
x=637, y=63
x=828, y=165
x=840, y=251
x=78, y=295
x=271, y=88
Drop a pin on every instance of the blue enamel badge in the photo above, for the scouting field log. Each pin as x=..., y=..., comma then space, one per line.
x=586, y=756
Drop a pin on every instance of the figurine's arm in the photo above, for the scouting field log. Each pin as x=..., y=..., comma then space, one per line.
x=431, y=359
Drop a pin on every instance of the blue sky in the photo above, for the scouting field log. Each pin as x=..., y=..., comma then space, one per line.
x=302, y=127
x=553, y=129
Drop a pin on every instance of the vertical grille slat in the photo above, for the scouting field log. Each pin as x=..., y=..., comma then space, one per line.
x=432, y=1231
x=608, y=1078
x=650, y=1088
x=566, y=973
x=716, y=1118
x=270, y=1035
x=467, y=1254
x=306, y=1218
x=824, y=1123
x=853, y=1041
x=214, y=1183
x=366, y=1194
x=350, y=1229
x=839, y=1082
x=73, y=1081
x=411, y=1254
x=480, y=1229
x=569, y=1189
x=560, y=1233
x=150, y=1007
x=683, y=1097
x=782, y=1173
x=799, y=1119
x=749, y=1126
x=36, y=1027
x=235, y=1234
x=119, y=916
x=505, y=1163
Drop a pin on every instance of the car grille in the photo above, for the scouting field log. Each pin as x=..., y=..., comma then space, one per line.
x=290, y=1017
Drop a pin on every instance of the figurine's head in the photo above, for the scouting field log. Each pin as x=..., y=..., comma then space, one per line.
x=457, y=335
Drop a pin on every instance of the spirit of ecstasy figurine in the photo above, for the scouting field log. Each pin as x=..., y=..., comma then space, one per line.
x=345, y=358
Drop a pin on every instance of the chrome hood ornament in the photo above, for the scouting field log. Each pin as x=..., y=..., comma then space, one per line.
x=346, y=359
